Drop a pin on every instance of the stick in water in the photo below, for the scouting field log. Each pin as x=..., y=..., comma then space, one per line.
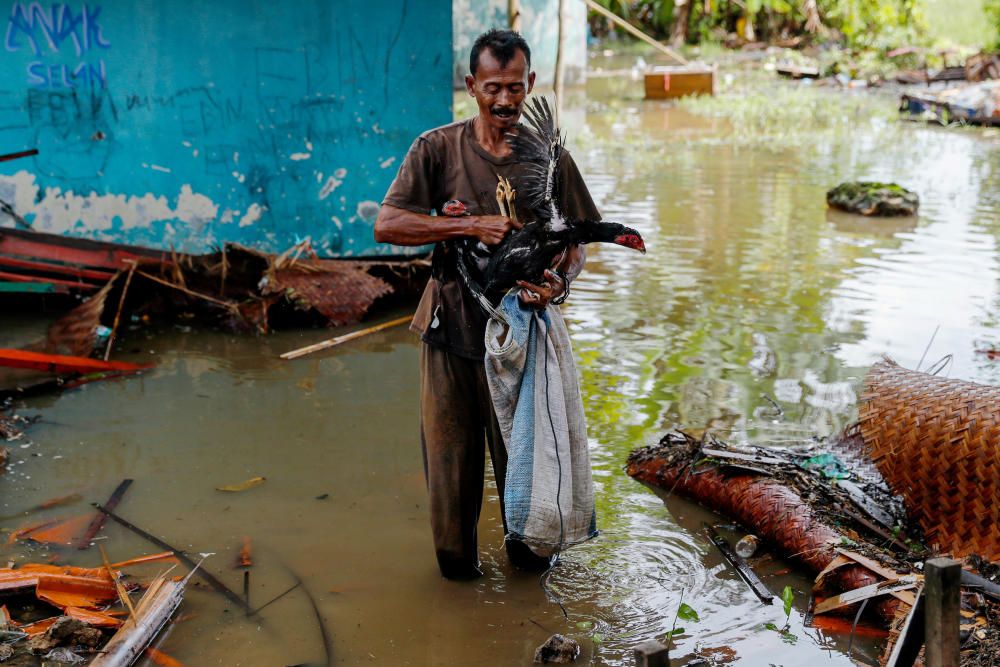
x=309, y=349
x=207, y=576
x=100, y=518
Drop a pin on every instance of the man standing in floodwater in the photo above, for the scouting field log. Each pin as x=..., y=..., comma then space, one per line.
x=446, y=190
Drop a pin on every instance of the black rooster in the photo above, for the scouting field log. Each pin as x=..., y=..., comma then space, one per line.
x=526, y=253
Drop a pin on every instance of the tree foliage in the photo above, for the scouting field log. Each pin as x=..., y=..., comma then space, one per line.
x=858, y=23
x=992, y=8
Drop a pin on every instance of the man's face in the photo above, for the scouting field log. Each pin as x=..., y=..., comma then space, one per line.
x=500, y=91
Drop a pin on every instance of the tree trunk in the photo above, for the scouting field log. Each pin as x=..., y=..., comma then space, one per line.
x=682, y=14
x=813, y=20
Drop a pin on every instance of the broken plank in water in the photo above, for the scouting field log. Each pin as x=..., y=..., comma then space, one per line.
x=865, y=593
x=740, y=565
x=152, y=613
x=60, y=363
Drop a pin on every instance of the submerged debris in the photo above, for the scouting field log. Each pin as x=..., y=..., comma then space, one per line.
x=557, y=649
x=873, y=199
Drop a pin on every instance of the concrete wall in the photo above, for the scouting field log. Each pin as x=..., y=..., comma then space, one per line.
x=182, y=123
x=539, y=25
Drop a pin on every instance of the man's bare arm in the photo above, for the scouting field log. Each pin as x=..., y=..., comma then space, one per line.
x=401, y=227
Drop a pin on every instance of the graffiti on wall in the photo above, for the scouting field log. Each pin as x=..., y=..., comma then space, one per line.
x=67, y=43
x=269, y=140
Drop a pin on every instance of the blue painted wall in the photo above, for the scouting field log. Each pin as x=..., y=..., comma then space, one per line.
x=176, y=123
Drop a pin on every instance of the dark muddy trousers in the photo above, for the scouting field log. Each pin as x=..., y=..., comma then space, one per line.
x=455, y=414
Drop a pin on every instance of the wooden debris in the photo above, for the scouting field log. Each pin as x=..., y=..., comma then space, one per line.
x=865, y=593
x=161, y=658
x=100, y=518
x=316, y=347
x=153, y=611
x=122, y=593
x=62, y=364
x=187, y=560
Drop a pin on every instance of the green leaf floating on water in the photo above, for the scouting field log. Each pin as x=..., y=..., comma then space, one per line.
x=787, y=596
x=687, y=613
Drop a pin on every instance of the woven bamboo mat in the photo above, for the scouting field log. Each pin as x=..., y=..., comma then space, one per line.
x=937, y=444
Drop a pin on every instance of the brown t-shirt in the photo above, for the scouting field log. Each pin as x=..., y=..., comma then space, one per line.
x=448, y=163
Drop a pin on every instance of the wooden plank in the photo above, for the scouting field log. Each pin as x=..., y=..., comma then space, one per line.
x=740, y=565
x=100, y=518
x=942, y=615
x=651, y=653
x=865, y=593
x=59, y=363
x=68, y=284
x=83, y=252
x=662, y=85
x=52, y=267
x=911, y=637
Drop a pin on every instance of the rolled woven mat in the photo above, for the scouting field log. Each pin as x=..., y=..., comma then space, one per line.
x=937, y=444
x=764, y=505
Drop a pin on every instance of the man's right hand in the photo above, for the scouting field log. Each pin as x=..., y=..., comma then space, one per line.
x=491, y=229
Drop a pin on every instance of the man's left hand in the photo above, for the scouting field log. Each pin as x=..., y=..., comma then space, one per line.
x=539, y=296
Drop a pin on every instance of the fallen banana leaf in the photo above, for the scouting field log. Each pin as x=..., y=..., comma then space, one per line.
x=243, y=486
x=161, y=658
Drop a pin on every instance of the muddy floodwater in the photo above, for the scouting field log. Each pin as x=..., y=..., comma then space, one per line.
x=754, y=314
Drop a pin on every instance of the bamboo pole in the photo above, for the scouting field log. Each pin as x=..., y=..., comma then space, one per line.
x=118, y=313
x=322, y=345
x=628, y=27
x=154, y=610
x=514, y=15
x=559, y=79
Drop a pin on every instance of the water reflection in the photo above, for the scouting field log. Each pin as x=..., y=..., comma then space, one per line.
x=754, y=314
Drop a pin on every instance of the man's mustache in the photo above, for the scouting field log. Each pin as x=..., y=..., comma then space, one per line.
x=503, y=112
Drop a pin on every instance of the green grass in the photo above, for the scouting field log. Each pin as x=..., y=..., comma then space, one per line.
x=959, y=22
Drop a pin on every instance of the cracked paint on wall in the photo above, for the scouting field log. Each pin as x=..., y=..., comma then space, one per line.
x=233, y=134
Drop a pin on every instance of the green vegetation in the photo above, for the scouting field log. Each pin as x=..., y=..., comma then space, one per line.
x=857, y=22
x=992, y=10
x=970, y=22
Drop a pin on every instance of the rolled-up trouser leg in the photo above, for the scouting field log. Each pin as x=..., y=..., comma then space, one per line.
x=452, y=434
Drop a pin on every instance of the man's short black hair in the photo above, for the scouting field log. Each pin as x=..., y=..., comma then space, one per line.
x=503, y=44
